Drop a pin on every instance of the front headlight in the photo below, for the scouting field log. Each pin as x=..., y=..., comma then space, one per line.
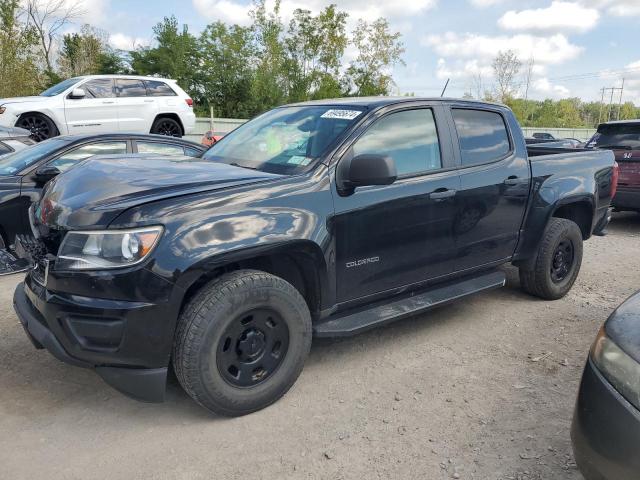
x=106, y=249
x=622, y=371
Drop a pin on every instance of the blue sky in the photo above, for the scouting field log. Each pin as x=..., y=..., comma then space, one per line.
x=577, y=46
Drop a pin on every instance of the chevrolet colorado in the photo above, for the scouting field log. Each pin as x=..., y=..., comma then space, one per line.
x=322, y=218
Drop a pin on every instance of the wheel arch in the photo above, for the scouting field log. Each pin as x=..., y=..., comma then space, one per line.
x=43, y=114
x=301, y=263
x=580, y=211
x=172, y=116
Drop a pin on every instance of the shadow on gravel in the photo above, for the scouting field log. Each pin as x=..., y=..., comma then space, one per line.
x=625, y=222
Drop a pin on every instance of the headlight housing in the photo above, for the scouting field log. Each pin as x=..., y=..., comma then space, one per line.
x=106, y=249
x=619, y=368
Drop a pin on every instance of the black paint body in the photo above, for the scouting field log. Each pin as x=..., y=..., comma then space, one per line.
x=219, y=217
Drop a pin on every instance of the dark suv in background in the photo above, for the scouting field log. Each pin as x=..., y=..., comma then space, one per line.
x=623, y=138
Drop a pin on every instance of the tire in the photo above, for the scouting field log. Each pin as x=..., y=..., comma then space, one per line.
x=166, y=126
x=40, y=126
x=557, y=264
x=220, y=336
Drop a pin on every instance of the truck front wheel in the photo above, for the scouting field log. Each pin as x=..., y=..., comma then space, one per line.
x=241, y=342
x=557, y=264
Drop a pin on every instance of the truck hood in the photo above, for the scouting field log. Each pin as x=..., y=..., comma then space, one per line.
x=92, y=194
x=7, y=101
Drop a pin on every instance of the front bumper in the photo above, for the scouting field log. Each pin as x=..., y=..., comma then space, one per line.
x=627, y=199
x=127, y=343
x=605, y=431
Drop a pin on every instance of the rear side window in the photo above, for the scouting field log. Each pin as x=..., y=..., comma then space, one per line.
x=482, y=135
x=409, y=137
x=160, y=148
x=131, y=88
x=158, y=89
x=99, y=88
x=621, y=136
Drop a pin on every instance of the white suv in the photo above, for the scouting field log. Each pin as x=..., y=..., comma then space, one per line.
x=103, y=104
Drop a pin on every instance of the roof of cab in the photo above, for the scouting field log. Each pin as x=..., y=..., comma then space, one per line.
x=374, y=102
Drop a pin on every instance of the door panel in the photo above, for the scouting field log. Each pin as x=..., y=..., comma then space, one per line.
x=136, y=111
x=396, y=235
x=494, y=189
x=97, y=112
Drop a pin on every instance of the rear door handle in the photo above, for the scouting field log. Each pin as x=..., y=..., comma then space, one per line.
x=148, y=101
x=107, y=102
x=442, y=193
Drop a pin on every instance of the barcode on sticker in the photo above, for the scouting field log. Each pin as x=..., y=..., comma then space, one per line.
x=341, y=114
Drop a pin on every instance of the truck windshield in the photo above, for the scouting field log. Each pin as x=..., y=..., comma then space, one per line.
x=16, y=162
x=60, y=87
x=621, y=136
x=287, y=140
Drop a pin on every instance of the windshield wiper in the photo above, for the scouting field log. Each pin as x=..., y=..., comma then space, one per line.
x=616, y=147
x=242, y=166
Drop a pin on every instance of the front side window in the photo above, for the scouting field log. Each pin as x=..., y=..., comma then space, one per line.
x=131, y=88
x=409, y=137
x=286, y=140
x=99, y=88
x=160, y=148
x=158, y=89
x=70, y=158
x=482, y=135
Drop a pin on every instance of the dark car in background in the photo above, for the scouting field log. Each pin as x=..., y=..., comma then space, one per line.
x=543, y=136
x=623, y=137
x=24, y=173
x=606, y=422
x=13, y=139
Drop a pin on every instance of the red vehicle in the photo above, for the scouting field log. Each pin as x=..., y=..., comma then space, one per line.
x=623, y=138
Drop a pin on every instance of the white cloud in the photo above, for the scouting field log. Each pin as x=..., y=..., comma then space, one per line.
x=121, y=41
x=558, y=17
x=486, y=3
x=234, y=11
x=545, y=88
x=549, y=50
x=620, y=8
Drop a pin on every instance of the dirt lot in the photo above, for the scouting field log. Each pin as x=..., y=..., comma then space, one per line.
x=480, y=389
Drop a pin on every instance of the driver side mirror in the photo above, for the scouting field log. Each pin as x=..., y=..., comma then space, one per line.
x=46, y=173
x=77, y=94
x=365, y=170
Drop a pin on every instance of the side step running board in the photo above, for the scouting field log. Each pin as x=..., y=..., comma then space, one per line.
x=354, y=323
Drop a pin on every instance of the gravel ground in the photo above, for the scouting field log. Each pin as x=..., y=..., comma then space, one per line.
x=482, y=389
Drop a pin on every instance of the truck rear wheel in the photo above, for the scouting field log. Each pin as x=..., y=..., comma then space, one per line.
x=557, y=264
x=241, y=342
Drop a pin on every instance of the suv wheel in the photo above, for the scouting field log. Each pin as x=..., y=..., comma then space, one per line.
x=241, y=342
x=166, y=126
x=557, y=263
x=40, y=126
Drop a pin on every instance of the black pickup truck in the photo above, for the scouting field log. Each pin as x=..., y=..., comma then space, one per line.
x=316, y=219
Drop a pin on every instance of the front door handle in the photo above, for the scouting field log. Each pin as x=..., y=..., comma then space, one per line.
x=442, y=193
x=107, y=102
x=513, y=180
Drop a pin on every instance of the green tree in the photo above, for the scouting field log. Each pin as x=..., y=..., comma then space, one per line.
x=379, y=51
x=19, y=73
x=87, y=53
x=228, y=58
x=314, y=48
x=175, y=55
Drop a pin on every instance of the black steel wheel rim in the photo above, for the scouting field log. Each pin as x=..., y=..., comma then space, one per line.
x=39, y=128
x=168, y=128
x=562, y=261
x=252, y=348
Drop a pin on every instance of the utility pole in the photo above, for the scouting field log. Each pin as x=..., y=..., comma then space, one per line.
x=610, y=106
x=526, y=90
x=620, y=102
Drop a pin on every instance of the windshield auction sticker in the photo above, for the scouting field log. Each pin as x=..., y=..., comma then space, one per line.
x=341, y=114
